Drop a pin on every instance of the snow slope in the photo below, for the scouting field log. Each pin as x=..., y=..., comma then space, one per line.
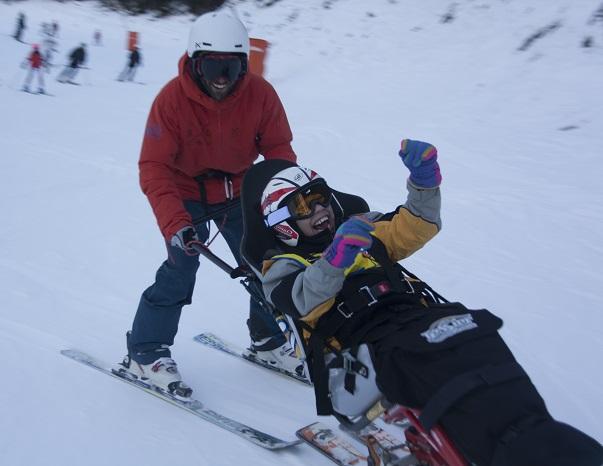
x=519, y=136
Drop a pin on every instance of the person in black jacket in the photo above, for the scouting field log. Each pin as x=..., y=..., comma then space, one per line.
x=134, y=61
x=77, y=58
x=20, y=26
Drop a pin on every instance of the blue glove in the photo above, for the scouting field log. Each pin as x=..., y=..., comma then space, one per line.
x=421, y=158
x=351, y=237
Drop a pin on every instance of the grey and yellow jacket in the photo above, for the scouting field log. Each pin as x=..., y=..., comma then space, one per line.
x=306, y=286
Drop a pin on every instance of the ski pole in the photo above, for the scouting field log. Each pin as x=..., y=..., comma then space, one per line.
x=205, y=252
x=250, y=281
x=222, y=210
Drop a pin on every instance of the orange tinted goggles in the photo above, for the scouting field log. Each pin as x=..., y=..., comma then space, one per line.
x=301, y=203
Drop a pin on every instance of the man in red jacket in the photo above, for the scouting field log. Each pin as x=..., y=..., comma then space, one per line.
x=205, y=129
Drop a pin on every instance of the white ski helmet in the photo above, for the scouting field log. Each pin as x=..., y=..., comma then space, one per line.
x=218, y=31
x=278, y=189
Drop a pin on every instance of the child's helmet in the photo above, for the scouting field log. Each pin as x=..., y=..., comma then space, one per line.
x=278, y=190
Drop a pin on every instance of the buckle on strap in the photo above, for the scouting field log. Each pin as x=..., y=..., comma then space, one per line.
x=347, y=315
x=361, y=300
x=352, y=365
x=411, y=289
x=228, y=188
x=372, y=298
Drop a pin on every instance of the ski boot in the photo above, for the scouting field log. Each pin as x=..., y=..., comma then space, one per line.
x=279, y=350
x=161, y=374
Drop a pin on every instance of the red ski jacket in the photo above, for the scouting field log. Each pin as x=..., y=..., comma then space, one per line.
x=35, y=59
x=189, y=134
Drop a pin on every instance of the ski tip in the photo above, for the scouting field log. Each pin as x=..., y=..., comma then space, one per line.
x=325, y=440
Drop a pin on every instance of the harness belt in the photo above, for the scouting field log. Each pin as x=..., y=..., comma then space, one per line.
x=367, y=296
x=215, y=174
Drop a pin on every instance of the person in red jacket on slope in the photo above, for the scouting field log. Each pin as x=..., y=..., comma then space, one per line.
x=34, y=63
x=205, y=129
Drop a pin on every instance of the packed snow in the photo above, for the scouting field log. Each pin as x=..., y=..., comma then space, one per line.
x=519, y=135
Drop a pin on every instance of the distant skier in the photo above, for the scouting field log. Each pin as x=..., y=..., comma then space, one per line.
x=49, y=47
x=44, y=29
x=20, y=27
x=134, y=61
x=35, y=62
x=98, y=37
x=77, y=58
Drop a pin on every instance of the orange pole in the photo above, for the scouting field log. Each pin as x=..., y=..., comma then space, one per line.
x=257, y=55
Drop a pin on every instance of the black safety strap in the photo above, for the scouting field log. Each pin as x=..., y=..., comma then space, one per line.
x=352, y=366
x=461, y=385
x=320, y=374
x=392, y=270
x=202, y=191
x=315, y=354
x=350, y=362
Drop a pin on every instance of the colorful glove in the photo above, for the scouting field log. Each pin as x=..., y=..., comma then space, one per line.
x=421, y=158
x=351, y=237
x=184, y=239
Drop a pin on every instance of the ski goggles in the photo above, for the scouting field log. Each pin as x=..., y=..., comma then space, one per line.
x=215, y=66
x=301, y=203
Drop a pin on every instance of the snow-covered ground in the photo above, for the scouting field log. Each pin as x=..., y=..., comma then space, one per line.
x=519, y=136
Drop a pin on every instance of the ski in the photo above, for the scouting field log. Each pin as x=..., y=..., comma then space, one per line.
x=213, y=341
x=323, y=439
x=384, y=448
x=192, y=406
x=37, y=93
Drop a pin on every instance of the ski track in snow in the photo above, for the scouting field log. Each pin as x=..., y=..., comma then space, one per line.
x=519, y=139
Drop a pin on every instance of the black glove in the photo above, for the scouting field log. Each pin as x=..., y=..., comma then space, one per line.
x=184, y=239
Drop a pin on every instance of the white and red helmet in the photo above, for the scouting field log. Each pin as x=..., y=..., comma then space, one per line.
x=278, y=189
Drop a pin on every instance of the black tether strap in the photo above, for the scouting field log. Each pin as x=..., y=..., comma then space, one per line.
x=461, y=385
